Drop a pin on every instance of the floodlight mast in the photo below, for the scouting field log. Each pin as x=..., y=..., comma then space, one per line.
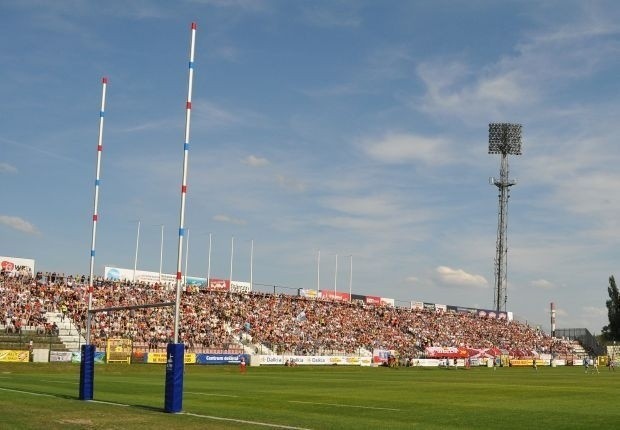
x=504, y=139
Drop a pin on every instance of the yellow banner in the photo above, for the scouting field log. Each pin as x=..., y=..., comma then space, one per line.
x=526, y=362
x=161, y=357
x=15, y=356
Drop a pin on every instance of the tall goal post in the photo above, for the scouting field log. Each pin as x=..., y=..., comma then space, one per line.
x=87, y=362
x=175, y=352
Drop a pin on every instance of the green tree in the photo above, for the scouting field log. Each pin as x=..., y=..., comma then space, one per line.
x=612, y=331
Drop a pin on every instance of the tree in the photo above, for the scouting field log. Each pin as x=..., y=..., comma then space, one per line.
x=612, y=331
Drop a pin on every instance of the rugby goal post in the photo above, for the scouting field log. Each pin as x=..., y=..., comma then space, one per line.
x=87, y=362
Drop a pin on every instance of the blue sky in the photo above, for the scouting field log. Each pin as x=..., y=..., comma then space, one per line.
x=350, y=127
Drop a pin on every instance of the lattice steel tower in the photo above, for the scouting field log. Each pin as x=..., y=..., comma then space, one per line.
x=504, y=139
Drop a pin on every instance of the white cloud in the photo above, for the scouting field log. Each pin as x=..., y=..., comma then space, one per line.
x=291, y=184
x=18, y=223
x=210, y=115
x=228, y=219
x=593, y=311
x=7, y=168
x=412, y=279
x=255, y=161
x=332, y=17
x=542, y=284
x=363, y=206
x=460, y=278
x=397, y=148
x=452, y=89
x=541, y=64
x=247, y=5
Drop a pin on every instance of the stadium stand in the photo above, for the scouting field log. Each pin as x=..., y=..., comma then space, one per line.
x=233, y=322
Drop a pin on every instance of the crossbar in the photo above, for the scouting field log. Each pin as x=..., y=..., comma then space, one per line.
x=122, y=308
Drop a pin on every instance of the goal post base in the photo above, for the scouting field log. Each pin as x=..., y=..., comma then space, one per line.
x=87, y=372
x=174, y=377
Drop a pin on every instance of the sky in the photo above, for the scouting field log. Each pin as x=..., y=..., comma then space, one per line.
x=353, y=128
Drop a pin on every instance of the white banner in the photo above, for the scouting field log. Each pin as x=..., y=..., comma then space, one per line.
x=64, y=356
x=121, y=274
x=240, y=287
x=17, y=266
x=315, y=360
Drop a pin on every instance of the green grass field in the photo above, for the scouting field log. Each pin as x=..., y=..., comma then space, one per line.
x=44, y=396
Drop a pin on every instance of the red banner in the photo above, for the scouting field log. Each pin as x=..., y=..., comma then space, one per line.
x=219, y=285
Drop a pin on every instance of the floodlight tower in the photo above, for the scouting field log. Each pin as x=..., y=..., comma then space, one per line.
x=504, y=139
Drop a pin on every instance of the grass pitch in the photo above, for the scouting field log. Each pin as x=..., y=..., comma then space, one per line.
x=44, y=396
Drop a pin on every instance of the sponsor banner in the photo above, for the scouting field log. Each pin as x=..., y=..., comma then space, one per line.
x=365, y=361
x=440, y=308
x=60, y=356
x=463, y=310
x=485, y=313
x=314, y=360
x=425, y=362
x=429, y=307
x=218, y=285
x=380, y=355
x=310, y=294
x=14, y=356
x=156, y=357
x=334, y=295
x=515, y=363
x=443, y=352
x=387, y=302
x=76, y=357
x=358, y=297
x=373, y=300
x=121, y=274
x=272, y=359
x=162, y=357
x=138, y=357
x=417, y=305
x=221, y=358
x=17, y=266
x=99, y=357
x=240, y=287
x=192, y=281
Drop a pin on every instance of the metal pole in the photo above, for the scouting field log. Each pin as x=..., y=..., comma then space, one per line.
x=104, y=82
x=135, y=260
x=232, y=252
x=186, y=259
x=335, y=276
x=351, y=278
x=318, y=271
x=252, y=265
x=161, y=252
x=188, y=112
x=209, y=263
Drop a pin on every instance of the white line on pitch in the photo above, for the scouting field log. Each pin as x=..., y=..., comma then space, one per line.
x=59, y=381
x=345, y=406
x=109, y=403
x=256, y=423
x=27, y=392
x=212, y=394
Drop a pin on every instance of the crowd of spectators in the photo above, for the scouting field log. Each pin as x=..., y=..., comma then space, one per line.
x=281, y=323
